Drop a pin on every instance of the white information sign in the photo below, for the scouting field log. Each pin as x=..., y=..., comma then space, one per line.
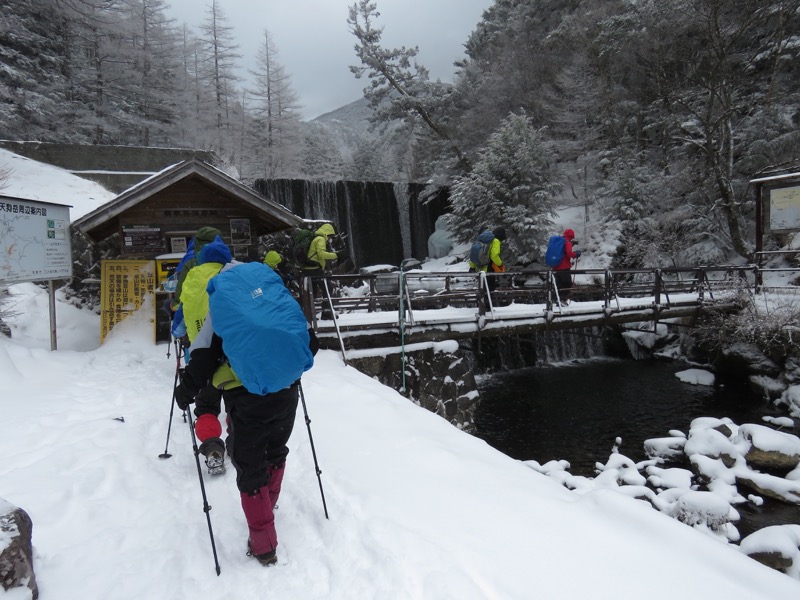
x=784, y=209
x=34, y=240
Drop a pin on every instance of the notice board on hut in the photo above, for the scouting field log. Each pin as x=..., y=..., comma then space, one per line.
x=125, y=287
x=141, y=240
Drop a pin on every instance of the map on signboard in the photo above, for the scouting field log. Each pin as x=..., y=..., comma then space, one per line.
x=34, y=241
x=784, y=209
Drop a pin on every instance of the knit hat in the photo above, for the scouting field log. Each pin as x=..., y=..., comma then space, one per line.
x=569, y=234
x=205, y=235
x=500, y=233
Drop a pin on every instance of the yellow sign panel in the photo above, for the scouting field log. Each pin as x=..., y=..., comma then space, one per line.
x=166, y=267
x=124, y=286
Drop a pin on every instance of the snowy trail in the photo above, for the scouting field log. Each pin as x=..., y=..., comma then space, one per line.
x=417, y=508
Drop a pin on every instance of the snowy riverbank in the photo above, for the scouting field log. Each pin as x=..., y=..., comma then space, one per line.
x=418, y=509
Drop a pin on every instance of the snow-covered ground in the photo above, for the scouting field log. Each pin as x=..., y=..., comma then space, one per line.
x=418, y=509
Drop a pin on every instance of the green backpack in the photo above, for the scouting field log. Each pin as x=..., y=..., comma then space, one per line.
x=301, y=242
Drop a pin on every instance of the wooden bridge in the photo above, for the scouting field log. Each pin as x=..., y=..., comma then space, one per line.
x=382, y=310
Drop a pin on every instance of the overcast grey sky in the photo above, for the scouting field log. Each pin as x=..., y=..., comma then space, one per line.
x=316, y=48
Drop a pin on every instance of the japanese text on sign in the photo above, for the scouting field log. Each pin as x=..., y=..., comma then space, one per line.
x=124, y=287
x=34, y=241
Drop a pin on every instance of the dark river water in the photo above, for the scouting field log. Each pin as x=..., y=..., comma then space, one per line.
x=576, y=410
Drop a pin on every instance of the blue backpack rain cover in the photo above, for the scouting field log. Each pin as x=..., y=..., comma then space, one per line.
x=264, y=332
x=555, y=251
x=479, y=252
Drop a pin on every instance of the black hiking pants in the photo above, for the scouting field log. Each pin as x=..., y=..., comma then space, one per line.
x=563, y=282
x=259, y=428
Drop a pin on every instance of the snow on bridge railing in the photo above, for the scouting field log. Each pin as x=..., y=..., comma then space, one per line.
x=426, y=290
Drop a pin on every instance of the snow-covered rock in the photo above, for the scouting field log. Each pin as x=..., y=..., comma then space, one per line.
x=763, y=447
x=440, y=244
x=777, y=546
x=16, y=552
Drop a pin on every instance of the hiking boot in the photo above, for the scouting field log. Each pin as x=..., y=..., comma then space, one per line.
x=215, y=461
x=214, y=452
x=267, y=559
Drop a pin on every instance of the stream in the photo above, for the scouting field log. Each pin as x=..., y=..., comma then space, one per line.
x=575, y=410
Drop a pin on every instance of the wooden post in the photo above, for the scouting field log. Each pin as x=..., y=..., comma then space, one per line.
x=53, y=333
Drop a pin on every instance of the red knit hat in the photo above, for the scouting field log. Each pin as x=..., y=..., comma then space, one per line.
x=569, y=234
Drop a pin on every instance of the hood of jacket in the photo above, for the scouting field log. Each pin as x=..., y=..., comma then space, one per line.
x=326, y=230
x=272, y=259
x=569, y=234
x=215, y=251
x=486, y=237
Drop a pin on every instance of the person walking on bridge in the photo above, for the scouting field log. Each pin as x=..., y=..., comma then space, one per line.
x=318, y=253
x=318, y=257
x=562, y=273
x=488, y=257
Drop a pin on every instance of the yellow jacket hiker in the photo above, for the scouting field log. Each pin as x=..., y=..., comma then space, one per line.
x=318, y=249
x=194, y=299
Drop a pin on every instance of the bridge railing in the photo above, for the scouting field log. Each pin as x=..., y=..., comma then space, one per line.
x=484, y=292
x=762, y=266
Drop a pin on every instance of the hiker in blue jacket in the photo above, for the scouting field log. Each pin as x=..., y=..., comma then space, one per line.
x=270, y=343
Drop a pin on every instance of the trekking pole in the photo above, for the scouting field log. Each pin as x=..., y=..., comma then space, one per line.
x=313, y=451
x=206, y=507
x=334, y=317
x=172, y=406
x=577, y=258
x=552, y=286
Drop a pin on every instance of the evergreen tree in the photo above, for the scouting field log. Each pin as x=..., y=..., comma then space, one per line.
x=399, y=88
x=321, y=157
x=32, y=85
x=512, y=185
x=697, y=78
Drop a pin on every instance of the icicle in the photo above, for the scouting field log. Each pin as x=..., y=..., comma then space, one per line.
x=402, y=197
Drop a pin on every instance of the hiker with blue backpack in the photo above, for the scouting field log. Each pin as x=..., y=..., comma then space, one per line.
x=559, y=256
x=485, y=254
x=254, y=345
